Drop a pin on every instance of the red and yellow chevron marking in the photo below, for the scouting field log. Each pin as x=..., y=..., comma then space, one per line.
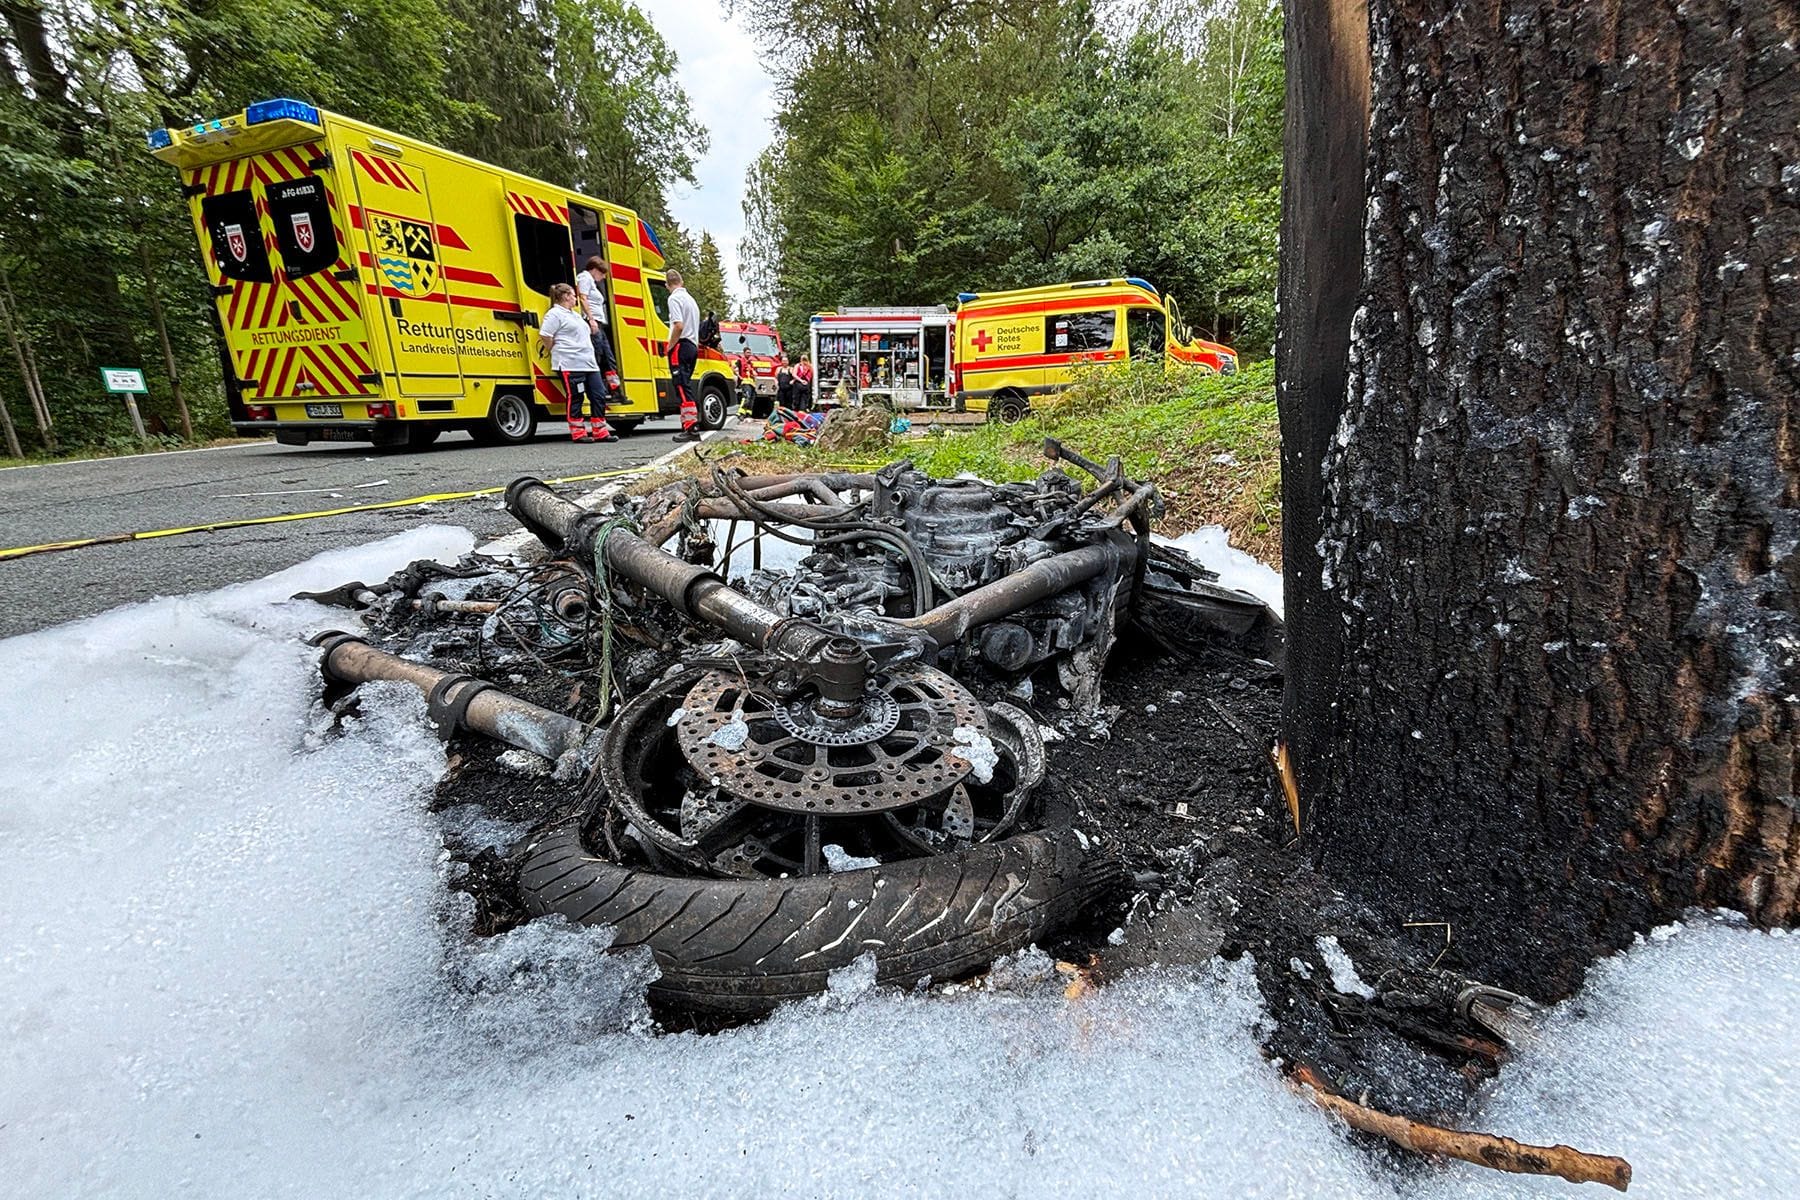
x=549, y=388
x=384, y=171
x=543, y=210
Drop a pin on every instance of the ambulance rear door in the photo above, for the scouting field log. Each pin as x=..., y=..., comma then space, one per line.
x=283, y=280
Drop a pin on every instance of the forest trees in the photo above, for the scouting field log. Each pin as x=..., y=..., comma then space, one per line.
x=98, y=263
x=926, y=148
x=1542, y=483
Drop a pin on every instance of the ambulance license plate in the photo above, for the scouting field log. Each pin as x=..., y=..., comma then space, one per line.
x=324, y=410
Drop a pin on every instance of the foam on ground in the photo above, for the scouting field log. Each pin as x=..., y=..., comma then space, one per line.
x=1211, y=545
x=230, y=966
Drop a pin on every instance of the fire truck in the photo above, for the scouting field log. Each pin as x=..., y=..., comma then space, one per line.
x=374, y=287
x=898, y=357
x=762, y=345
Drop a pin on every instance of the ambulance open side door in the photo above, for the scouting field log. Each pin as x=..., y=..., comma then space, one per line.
x=411, y=288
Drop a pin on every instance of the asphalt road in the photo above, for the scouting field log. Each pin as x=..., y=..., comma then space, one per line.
x=64, y=501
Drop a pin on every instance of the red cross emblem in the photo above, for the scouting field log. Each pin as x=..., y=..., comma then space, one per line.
x=982, y=340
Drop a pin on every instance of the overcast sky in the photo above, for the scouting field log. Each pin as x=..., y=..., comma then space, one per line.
x=734, y=99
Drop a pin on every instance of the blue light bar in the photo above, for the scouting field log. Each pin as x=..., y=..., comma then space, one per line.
x=1145, y=284
x=281, y=110
x=159, y=139
x=965, y=297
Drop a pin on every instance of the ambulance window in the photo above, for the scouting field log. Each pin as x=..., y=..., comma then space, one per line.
x=545, y=253
x=302, y=222
x=237, y=243
x=659, y=297
x=1069, y=333
x=1145, y=331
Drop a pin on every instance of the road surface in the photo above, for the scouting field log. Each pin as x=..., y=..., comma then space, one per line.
x=64, y=501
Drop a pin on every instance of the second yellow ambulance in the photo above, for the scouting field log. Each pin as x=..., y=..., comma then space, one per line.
x=1011, y=346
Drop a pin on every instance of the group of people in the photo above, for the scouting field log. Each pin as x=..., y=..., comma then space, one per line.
x=575, y=335
x=793, y=382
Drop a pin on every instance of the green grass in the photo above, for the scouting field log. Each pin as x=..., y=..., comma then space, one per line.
x=1166, y=428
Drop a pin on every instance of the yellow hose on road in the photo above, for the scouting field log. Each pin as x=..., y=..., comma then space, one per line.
x=243, y=522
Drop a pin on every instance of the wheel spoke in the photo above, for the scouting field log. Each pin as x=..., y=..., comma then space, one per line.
x=810, y=864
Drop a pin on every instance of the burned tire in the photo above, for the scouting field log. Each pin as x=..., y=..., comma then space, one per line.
x=743, y=946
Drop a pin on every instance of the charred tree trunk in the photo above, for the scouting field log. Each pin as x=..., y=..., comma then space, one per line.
x=1327, y=142
x=1560, y=530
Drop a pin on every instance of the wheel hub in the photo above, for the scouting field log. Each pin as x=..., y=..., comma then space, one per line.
x=878, y=716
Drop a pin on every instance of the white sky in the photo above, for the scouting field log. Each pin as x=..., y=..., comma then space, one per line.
x=734, y=99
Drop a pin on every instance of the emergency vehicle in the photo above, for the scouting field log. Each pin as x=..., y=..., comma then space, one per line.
x=763, y=345
x=1011, y=346
x=898, y=357
x=371, y=286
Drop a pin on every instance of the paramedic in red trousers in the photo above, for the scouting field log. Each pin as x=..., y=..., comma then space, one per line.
x=564, y=333
x=684, y=351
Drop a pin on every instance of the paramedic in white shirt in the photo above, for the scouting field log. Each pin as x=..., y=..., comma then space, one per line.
x=565, y=335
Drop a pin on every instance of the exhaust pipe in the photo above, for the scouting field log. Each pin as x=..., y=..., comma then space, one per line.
x=455, y=701
x=837, y=666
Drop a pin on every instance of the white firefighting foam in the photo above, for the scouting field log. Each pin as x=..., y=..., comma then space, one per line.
x=230, y=966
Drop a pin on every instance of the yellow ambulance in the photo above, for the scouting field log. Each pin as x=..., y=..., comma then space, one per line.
x=374, y=287
x=1011, y=346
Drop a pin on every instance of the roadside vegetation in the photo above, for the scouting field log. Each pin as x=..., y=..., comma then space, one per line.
x=918, y=151
x=1211, y=444
x=1038, y=144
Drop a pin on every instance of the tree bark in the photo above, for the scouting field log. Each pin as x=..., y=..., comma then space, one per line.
x=12, y=434
x=28, y=372
x=1561, y=506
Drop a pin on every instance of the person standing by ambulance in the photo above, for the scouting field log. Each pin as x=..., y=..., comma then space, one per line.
x=590, y=281
x=564, y=334
x=684, y=352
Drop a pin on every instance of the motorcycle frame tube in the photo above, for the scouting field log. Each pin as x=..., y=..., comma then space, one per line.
x=948, y=622
x=694, y=591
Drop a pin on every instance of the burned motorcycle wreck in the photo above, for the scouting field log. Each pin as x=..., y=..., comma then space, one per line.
x=832, y=754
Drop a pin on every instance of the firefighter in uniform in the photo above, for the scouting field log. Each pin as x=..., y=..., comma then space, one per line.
x=565, y=334
x=684, y=351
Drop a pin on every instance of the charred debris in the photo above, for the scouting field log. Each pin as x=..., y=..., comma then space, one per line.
x=764, y=725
